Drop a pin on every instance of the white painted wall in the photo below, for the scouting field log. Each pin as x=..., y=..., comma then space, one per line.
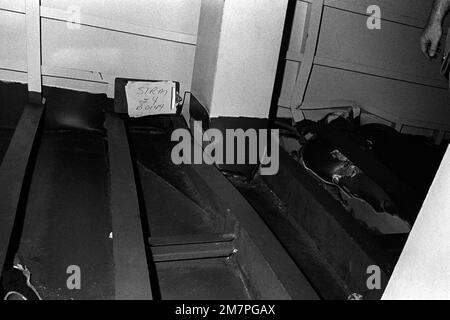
x=386, y=97
x=345, y=37
x=148, y=39
x=423, y=270
x=247, y=57
x=18, y=5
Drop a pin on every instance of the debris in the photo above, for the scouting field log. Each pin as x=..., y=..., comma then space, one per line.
x=355, y=296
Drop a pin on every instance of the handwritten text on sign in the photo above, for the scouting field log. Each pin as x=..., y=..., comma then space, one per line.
x=147, y=98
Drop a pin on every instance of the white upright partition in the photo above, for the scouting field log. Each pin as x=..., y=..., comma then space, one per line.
x=423, y=270
x=85, y=44
x=237, y=55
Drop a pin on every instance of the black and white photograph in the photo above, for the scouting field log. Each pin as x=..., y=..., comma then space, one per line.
x=217, y=158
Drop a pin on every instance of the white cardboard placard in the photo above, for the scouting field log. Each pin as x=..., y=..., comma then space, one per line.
x=150, y=98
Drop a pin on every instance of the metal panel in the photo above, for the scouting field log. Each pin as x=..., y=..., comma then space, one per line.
x=12, y=172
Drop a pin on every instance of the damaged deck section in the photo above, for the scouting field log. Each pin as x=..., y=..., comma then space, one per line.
x=109, y=202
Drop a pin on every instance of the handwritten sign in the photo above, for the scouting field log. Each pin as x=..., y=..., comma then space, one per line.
x=149, y=98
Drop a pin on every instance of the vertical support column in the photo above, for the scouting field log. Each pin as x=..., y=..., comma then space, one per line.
x=33, y=20
x=237, y=56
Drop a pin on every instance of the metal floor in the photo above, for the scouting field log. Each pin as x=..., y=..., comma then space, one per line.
x=91, y=177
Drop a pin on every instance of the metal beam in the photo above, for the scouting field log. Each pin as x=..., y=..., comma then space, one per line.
x=132, y=278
